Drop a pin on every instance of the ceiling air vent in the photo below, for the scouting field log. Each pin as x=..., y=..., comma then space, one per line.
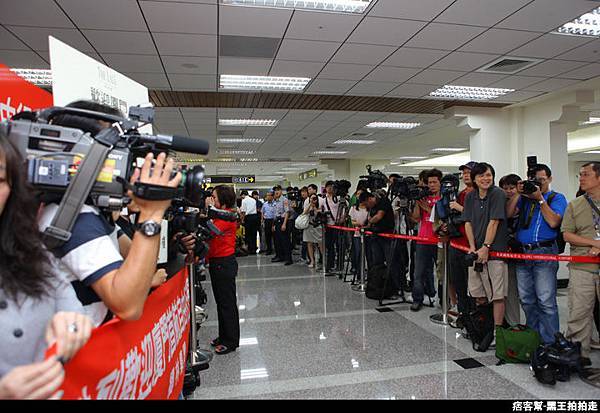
x=509, y=65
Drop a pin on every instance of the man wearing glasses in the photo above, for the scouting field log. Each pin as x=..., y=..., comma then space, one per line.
x=540, y=215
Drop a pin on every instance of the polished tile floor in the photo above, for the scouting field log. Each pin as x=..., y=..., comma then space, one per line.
x=305, y=336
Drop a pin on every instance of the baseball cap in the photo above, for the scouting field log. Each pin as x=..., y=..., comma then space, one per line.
x=468, y=165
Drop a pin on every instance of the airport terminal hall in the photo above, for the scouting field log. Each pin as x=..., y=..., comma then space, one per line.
x=301, y=199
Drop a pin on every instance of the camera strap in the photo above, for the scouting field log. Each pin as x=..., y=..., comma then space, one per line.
x=595, y=213
x=527, y=222
x=59, y=230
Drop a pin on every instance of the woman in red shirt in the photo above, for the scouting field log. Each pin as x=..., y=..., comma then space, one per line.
x=223, y=269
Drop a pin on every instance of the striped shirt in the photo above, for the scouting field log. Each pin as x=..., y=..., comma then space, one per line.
x=268, y=210
x=90, y=254
x=281, y=207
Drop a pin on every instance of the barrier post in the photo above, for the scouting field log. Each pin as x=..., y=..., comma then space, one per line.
x=362, y=287
x=193, y=329
x=443, y=317
x=324, y=249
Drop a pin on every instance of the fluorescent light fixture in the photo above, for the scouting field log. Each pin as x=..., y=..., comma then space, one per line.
x=330, y=152
x=39, y=77
x=269, y=177
x=252, y=341
x=449, y=149
x=354, y=142
x=240, y=140
x=248, y=122
x=411, y=158
x=270, y=83
x=242, y=307
x=234, y=152
x=592, y=121
x=225, y=160
x=469, y=92
x=393, y=125
x=253, y=373
x=248, y=159
x=593, y=152
x=587, y=25
x=339, y=6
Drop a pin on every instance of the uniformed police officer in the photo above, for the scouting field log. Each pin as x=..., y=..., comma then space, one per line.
x=283, y=247
x=268, y=216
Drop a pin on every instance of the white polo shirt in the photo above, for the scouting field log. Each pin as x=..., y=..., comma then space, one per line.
x=248, y=205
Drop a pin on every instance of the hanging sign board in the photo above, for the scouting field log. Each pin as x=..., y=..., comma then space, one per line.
x=17, y=95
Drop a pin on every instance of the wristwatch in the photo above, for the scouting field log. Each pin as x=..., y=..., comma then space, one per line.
x=541, y=202
x=488, y=246
x=148, y=228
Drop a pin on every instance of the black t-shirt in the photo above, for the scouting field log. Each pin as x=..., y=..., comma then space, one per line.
x=479, y=211
x=386, y=224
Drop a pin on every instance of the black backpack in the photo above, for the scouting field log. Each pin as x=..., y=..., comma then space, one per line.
x=479, y=325
x=375, y=282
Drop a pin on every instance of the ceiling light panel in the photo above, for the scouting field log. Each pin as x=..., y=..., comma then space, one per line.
x=393, y=125
x=234, y=152
x=337, y=6
x=593, y=152
x=469, y=92
x=354, y=142
x=240, y=140
x=330, y=152
x=411, y=157
x=449, y=149
x=248, y=122
x=587, y=25
x=592, y=121
x=39, y=77
x=270, y=83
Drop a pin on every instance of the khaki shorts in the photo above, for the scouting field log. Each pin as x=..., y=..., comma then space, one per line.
x=495, y=286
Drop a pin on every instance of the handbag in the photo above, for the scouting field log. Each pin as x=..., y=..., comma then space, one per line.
x=516, y=344
x=302, y=222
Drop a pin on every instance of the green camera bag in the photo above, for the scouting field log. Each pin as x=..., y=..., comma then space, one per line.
x=516, y=344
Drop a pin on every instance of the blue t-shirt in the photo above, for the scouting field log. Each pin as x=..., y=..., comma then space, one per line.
x=539, y=230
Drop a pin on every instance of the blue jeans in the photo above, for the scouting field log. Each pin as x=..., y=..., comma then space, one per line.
x=425, y=258
x=537, y=293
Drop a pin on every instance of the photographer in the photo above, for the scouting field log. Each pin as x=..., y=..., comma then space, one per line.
x=331, y=235
x=281, y=228
x=487, y=230
x=400, y=255
x=313, y=235
x=381, y=220
x=512, y=314
x=426, y=254
x=581, y=229
x=223, y=269
x=38, y=307
x=250, y=220
x=541, y=212
x=102, y=279
x=303, y=198
x=459, y=273
x=359, y=214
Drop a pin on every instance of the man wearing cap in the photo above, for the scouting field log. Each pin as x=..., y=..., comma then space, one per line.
x=268, y=220
x=459, y=274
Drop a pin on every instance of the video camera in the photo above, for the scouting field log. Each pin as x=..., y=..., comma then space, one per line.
x=531, y=185
x=407, y=189
x=449, y=193
x=374, y=181
x=293, y=195
x=61, y=143
x=341, y=188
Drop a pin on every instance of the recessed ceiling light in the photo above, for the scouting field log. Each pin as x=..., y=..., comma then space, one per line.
x=248, y=122
x=592, y=121
x=340, y=6
x=393, y=125
x=594, y=152
x=248, y=159
x=449, y=149
x=354, y=142
x=234, y=152
x=587, y=25
x=240, y=140
x=244, y=82
x=469, y=92
x=411, y=157
x=39, y=77
x=330, y=152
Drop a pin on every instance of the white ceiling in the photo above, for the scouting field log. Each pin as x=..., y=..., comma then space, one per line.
x=397, y=48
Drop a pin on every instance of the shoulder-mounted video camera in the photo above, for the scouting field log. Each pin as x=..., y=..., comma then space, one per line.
x=341, y=188
x=374, y=180
x=449, y=193
x=407, y=189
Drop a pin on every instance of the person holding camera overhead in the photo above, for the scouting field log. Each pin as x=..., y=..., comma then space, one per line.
x=541, y=211
x=102, y=279
x=313, y=235
x=223, y=269
x=331, y=235
x=38, y=307
x=487, y=230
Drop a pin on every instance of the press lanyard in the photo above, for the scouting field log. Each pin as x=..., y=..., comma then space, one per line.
x=595, y=214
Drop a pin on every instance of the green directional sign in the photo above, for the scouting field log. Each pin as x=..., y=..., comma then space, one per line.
x=308, y=174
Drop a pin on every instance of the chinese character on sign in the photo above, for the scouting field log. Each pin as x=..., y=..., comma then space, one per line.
x=147, y=366
x=7, y=111
x=592, y=406
x=572, y=406
x=109, y=386
x=517, y=406
x=582, y=406
x=538, y=406
x=551, y=406
x=561, y=406
x=527, y=406
x=132, y=372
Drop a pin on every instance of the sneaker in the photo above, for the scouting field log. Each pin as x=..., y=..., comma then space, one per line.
x=595, y=345
x=416, y=306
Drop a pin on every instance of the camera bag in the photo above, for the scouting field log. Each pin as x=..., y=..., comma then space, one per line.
x=376, y=282
x=479, y=325
x=516, y=344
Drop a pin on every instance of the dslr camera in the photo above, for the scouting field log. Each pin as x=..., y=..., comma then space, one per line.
x=531, y=185
x=470, y=260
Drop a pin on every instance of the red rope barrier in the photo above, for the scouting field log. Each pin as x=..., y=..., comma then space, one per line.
x=503, y=255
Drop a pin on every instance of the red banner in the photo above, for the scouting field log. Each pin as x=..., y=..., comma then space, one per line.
x=17, y=95
x=143, y=359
